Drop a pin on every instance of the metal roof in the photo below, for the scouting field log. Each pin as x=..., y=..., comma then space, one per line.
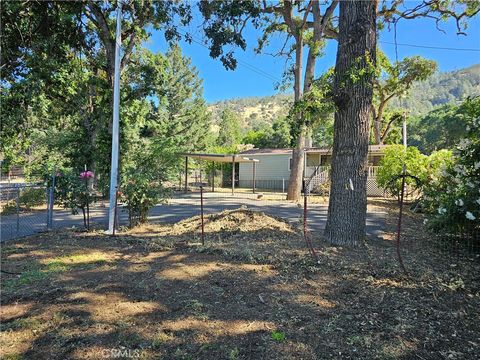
x=223, y=158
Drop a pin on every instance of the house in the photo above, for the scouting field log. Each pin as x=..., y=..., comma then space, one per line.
x=272, y=171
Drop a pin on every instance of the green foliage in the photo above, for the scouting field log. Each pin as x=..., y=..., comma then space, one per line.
x=453, y=196
x=391, y=167
x=439, y=89
x=71, y=192
x=278, y=336
x=394, y=81
x=278, y=136
x=441, y=128
x=31, y=197
x=230, y=131
x=143, y=175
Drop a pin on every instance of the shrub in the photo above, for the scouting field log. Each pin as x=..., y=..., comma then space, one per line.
x=31, y=197
x=71, y=192
x=391, y=167
x=143, y=177
x=140, y=191
x=453, y=197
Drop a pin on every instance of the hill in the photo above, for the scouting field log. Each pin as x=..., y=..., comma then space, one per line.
x=441, y=88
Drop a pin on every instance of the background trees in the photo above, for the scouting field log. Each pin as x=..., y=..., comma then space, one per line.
x=303, y=26
x=230, y=131
x=395, y=80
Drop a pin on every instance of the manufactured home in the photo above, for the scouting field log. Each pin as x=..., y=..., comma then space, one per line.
x=272, y=170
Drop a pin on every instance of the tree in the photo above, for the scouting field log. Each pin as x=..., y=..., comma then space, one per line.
x=230, y=131
x=301, y=23
x=441, y=128
x=353, y=94
x=395, y=80
x=281, y=136
x=181, y=114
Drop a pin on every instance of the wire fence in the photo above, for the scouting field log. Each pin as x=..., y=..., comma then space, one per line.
x=27, y=208
x=24, y=209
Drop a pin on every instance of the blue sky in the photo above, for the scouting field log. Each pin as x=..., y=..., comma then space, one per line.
x=256, y=75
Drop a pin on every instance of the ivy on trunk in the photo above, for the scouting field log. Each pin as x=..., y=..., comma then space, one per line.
x=353, y=94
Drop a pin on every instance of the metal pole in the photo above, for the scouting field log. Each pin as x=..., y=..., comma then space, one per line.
x=115, y=215
x=186, y=174
x=50, y=203
x=221, y=175
x=116, y=119
x=254, y=177
x=233, y=175
x=18, y=209
x=201, y=214
x=213, y=176
x=88, y=199
x=402, y=192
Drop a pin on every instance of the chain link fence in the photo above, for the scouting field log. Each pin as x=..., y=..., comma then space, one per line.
x=24, y=209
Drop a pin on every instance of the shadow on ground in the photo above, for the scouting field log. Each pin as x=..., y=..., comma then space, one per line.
x=155, y=292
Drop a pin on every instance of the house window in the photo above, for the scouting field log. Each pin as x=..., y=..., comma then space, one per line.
x=290, y=162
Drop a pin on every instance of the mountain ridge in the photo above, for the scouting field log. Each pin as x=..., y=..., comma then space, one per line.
x=441, y=88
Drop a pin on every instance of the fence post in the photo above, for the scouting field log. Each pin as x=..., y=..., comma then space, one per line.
x=283, y=185
x=115, y=212
x=50, y=203
x=201, y=214
x=18, y=209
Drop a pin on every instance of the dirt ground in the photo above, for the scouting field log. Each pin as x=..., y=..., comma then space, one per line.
x=251, y=292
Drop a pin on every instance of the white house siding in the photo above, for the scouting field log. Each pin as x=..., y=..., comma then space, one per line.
x=271, y=172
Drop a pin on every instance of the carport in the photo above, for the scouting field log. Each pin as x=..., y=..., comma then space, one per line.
x=220, y=158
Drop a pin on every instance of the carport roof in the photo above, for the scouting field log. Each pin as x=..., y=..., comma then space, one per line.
x=223, y=158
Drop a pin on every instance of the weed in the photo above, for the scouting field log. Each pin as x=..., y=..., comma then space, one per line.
x=278, y=336
x=161, y=338
x=234, y=353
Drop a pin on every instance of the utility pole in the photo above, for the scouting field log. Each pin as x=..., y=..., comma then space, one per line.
x=115, y=128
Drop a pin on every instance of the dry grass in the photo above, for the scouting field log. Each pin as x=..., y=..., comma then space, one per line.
x=252, y=292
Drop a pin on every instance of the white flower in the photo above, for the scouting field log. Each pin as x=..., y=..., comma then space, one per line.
x=469, y=216
x=459, y=202
x=477, y=165
x=463, y=144
x=469, y=184
x=478, y=201
x=467, y=128
x=441, y=210
x=425, y=221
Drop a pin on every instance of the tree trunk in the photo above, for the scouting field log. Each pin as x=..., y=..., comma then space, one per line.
x=377, y=130
x=356, y=52
x=296, y=172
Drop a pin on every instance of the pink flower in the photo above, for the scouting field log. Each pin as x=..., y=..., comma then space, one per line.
x=86, y=174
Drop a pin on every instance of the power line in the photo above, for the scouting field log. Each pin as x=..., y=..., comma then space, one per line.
x=431, y=47
x=250, y=67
